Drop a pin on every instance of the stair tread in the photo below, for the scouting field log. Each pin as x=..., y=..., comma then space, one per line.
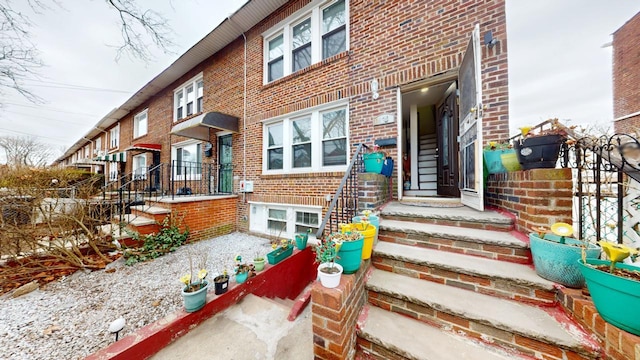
x=500, y=238
x=515, y=317
x=137, y=220
x=399, y=334
x=464, y=264
x=458, y=214
x=150, y=209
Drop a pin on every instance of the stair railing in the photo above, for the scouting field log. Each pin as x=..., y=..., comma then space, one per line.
x=344, y=204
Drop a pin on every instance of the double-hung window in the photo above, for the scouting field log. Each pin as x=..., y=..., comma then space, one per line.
x=315, y=140
x=140, y=124
x=188, y=98
x=140, y=167
x=114, y=137
x=98, y=146
x=187, y=161
x=316, y=32
x=306, y=221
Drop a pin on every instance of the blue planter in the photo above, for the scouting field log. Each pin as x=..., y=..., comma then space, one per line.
x=194, y=301
x=617, y=299
x=242, y=277
x=559, y=262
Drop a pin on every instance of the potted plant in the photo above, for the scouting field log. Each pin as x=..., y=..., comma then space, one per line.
x=258, y=262
x=373, y=219
x=280, y=251
x=368, y=232
x=328, y=271
x=221, y=283
x=374, y=160
x=194, y=292
x=555, y=254
x=540, y=148
x=301, y=239
x=500, y=157
x=615, y=287
x=243, y=271
x=350, y=251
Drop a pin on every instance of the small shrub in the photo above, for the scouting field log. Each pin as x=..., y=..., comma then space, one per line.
x=167, y=240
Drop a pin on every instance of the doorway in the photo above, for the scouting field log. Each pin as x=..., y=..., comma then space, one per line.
x=225, y=164
x=430, y=147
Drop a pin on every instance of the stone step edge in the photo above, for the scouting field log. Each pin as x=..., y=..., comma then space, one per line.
x=369, y=310
x=150, y=209
x=588, y=346
x=449, y=265
x=481, y=236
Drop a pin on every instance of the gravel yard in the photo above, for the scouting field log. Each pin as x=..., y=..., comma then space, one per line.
x=68, y=319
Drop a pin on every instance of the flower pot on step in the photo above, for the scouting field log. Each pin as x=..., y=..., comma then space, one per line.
x=221, y=283
x=330, y=274
x=350, y=255
x=279, y=254
x=195, y=300
x=258, y=264
x=301, y=240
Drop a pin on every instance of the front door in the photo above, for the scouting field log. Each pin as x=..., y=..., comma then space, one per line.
x=225, y=169
x=471, y=186
x=447, y=130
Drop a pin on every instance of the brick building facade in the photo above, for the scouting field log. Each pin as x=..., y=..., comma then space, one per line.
x=321, y=77
x=626, y=77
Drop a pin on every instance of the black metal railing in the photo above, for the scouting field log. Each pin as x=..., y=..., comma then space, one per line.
x=344, y=204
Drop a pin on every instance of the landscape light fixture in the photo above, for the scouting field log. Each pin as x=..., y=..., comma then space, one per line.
x=116, y=326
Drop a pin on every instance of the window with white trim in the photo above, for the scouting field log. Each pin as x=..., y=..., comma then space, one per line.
x=98, y=146
x=284, y=220
x=114, y=137
x=140, y=122
x=315, y=141
x=316, y=32
x=140, y=167
x=113, y=171
x=188, y=98
x=187, y=160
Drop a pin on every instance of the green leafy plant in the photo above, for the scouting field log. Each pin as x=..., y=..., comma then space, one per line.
x=168, y=239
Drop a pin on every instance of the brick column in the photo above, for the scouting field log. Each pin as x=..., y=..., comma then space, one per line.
x=537, y=197
x=373, y=191
x=335, y=312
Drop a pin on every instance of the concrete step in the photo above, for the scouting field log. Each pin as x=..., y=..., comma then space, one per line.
x=498, y=245
x=427, y=178
x=420, y=193
x=461, y=217
x=427, y=170
x=156, y=213
x=428, y=186
x=540, y=333
x=383, y=332
x=140, y=224
x=498, y=278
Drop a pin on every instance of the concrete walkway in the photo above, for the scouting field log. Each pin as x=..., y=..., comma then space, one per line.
x=254, y=328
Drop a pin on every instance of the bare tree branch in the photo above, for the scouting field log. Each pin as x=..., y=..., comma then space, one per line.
x=24, y=151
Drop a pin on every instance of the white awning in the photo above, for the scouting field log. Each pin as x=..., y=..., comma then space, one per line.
x=198, y=127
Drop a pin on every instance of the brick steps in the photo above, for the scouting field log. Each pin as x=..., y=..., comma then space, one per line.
x=530, y=330
x=387, y=335
x=140, y=224
x=493, y=277
x=459, y=217
x=498, y=245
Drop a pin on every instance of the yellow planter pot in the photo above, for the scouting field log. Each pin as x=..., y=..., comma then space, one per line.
x=369, y=233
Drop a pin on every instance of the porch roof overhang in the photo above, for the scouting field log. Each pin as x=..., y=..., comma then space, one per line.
x=145, y=147
x=198, y=127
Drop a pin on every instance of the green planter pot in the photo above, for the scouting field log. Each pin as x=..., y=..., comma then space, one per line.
x=278, y=255
x=242, y=277
x=258, y=265
x=350, y=255
x=301, y=240
x=373, y=162
x=558, y=262
x=194, y=301
x=617, y=299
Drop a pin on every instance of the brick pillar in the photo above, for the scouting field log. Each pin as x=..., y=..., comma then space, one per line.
x=537, y=197
x=373, y=191
x=335, y=312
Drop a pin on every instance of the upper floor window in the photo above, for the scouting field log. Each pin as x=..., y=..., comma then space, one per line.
x=315, y=141
x=114, y=137
x=316, y=32
x=140, y=124
x=188, y=98
x=98, y=146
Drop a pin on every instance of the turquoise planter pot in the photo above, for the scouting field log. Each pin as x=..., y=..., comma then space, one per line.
x=373, y=162
x=557, y=262
x=194, y=301
x=373, y=219
x=242, y=277
x=350, y=255
x=617, y=299
x=278, y=255
x=301, y=240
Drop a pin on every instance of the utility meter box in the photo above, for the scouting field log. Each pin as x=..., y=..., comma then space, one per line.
x=246, y=186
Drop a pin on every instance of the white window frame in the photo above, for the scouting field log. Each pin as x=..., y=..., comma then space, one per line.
x=316, y=140
x=113, y=171
x=259, y=217
x=114, y=137
x=174, y=158
x=314, y=11
x=141, y=117
x=140, y=167
x=182, y=90
x=98, y=146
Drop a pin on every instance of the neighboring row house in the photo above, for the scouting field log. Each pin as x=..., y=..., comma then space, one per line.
x=275, y=99
x=626, y=77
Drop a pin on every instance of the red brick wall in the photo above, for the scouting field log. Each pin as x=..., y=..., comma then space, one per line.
x=629, y=126
x=537, y=197
x=206, y=218
x=626, y=75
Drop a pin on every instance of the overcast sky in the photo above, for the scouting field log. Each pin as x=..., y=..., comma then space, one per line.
x=557, y=65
